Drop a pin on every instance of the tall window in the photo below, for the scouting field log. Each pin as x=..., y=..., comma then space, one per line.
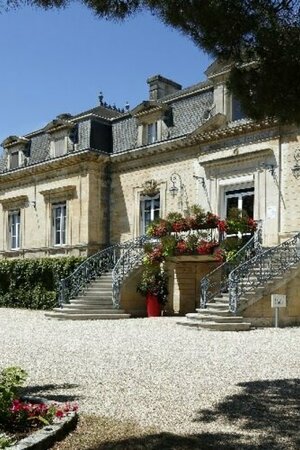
x=243, y=199
x=59, y=219
x=151, y=133
x=14, y=229
x=150, y=210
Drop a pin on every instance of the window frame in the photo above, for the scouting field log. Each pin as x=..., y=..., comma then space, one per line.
x=152, y=132
x=61, y=230
x=16, y=235
x=153, y=210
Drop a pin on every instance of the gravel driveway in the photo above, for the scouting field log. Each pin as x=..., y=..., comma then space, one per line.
x=163, y=376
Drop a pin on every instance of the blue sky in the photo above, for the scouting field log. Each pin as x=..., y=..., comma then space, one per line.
x=57, y=61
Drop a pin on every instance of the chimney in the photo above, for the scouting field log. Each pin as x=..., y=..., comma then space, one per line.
x=160, y=86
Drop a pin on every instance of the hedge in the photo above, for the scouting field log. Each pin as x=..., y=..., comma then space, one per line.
x=33, y=283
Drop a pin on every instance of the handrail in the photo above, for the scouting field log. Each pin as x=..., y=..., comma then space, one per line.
x=262, y=268
x=88, y=270
x=121, y=258
x=128, y=260
x=217, y=282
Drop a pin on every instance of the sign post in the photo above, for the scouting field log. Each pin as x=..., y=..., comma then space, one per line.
x=278, y=301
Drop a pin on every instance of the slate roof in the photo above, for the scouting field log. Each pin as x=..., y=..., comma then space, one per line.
x=188, y=108
x=101, y=111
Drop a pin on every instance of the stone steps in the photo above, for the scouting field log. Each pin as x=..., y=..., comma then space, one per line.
x=215, y=326
x=86, y=316
x=94, y=304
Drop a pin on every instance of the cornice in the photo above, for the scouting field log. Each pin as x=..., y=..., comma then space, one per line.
x=53, y=164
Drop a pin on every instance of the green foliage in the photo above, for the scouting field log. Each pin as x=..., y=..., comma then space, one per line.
x=6, y=441
x=239, y=31
x=154, y=281
x=237, y=221
x=11, y=379
x=32, y=283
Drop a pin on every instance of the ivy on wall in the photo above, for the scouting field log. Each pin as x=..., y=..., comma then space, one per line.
x=33, y=283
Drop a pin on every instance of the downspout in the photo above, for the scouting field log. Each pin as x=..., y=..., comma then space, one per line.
x=279, y=183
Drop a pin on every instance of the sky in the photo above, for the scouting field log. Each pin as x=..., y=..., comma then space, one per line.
x=58, y=61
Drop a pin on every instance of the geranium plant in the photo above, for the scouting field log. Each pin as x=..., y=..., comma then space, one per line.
x=20, y=416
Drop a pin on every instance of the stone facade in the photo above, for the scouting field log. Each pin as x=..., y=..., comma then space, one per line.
x=79, y=184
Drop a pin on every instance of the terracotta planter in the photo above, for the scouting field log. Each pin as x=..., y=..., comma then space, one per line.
x=153, y=306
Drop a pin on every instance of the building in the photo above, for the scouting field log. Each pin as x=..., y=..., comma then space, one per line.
x=83, y=181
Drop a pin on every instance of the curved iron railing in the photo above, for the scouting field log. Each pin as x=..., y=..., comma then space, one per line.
x=120, y=258
x=88, y=270
x=217, y=281
x=130, y=258
x=261, y=268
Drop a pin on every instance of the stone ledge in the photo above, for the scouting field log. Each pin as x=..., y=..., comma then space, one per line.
x=46, y=437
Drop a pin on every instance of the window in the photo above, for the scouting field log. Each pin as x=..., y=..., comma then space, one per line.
x=150, y=210
x=237, y=112
x=243, y=199
x=14, y=160
x=59, y=215
x=59, y=147
x=14, y=235
x=152, y=133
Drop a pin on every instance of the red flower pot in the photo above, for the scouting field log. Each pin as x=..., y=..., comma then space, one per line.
x=153, y=306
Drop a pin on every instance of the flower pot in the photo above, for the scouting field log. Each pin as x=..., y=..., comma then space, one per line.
x=153, y=306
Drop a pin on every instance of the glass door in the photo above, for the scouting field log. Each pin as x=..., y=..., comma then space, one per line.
x=242, y=199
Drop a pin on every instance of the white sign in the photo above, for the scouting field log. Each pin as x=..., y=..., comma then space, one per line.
x=278, y=301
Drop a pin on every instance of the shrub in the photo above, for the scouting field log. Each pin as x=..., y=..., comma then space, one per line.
x=33, y=283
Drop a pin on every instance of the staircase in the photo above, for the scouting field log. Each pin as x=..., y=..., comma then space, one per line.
x=92, y=291
x=238, y=283
x=95, y=303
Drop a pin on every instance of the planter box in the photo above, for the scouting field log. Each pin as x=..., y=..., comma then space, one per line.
x=185, y=273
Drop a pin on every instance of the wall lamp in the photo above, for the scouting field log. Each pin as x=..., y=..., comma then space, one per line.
x=177, y=185
x=31, y=203
x=270, y=167
x=200, y=179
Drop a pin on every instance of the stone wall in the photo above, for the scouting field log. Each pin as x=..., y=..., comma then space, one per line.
x=261, y=314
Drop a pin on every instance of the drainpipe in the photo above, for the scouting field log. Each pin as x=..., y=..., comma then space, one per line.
x=279, y=183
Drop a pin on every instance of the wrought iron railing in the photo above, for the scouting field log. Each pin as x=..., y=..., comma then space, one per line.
x=91, y=268
x=129, y=259
x=119, y=258
x=217, y=281
x=261, y=268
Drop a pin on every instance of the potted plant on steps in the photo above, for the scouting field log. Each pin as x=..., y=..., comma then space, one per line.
x=154, y=286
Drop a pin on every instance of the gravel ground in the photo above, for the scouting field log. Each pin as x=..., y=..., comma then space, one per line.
x=163, y=376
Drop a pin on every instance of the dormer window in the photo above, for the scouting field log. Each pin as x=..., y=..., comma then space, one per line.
x=17, y=149
x=152, y=135
x=153, y=119
x=59, y=130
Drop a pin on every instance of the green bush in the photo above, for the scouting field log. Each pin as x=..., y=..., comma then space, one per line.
x=33, y=283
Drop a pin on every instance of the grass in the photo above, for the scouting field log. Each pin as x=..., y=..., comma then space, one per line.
x=94, y=432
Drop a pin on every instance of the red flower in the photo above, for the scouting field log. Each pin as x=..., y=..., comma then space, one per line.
x=181, y=247
x=222, y=226
x=180, y=225
x=205, y=248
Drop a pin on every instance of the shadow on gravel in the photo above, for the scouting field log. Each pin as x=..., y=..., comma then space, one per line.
x=168, y=441
x=45, y=391
x=266, y=416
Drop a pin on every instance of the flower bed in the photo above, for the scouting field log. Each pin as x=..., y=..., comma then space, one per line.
x=21, y=417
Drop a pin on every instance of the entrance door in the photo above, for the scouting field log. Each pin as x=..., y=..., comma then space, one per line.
x=243, y=199
x=149, y=211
